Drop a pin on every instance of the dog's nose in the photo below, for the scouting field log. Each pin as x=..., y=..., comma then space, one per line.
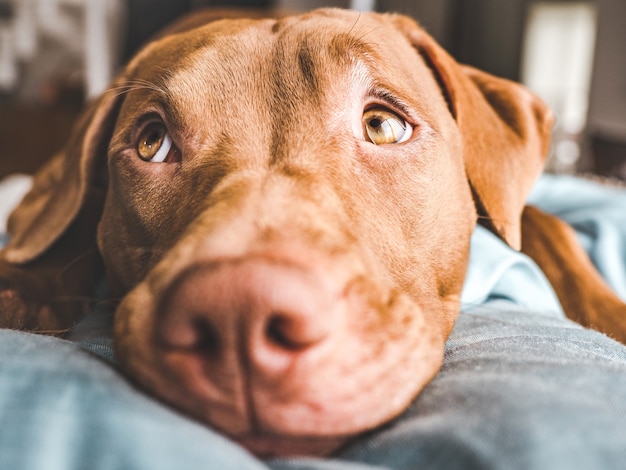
x=257, y=315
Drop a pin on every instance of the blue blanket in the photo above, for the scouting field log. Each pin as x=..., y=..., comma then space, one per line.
x=521, y=386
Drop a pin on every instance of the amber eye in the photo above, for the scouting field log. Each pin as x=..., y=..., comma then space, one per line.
x=155, y=144
x=384, y=127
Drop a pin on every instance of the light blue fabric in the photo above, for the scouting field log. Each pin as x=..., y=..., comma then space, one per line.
x=521, y=387
x=597, y=213
x=496, y=272
x=63, y=408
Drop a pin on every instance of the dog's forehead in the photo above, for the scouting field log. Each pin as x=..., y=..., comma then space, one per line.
x=231, y=57
x=241, y=73
x=296, y=49
x=338, y=35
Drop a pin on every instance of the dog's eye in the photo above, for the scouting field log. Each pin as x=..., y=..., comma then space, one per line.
x=155, y=144
x=384, y=127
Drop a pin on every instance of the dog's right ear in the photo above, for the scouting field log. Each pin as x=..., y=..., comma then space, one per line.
x=74, y=179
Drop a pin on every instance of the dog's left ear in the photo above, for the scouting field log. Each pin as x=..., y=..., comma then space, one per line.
x=72, y=181
x=505, y=131
x=50, y=266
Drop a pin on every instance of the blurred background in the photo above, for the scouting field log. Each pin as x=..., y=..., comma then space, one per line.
x=55, y=54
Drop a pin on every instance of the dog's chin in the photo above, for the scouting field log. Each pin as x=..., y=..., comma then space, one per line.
x=273, y=446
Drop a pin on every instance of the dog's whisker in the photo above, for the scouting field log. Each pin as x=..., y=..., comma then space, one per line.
x=138, y=84
x=166, y=73
x=126, y=90
x=358, y=17
x=73, y=261
x=150, y=85
x=367, y=33
x=54, y=332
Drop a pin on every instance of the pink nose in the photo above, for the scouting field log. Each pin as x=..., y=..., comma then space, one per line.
x=257, y=312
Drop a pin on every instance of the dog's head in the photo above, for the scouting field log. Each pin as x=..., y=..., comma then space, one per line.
x=285, y=207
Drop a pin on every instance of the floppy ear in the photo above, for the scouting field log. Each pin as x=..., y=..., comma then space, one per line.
x=51, y=261
x=505, y=131
x=73, y=179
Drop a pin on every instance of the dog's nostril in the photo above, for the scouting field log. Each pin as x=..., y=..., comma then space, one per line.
x=276, y=332
x=289, y=332
x=207, y=338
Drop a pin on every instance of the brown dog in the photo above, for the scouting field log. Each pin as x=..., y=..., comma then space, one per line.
x=284, y=208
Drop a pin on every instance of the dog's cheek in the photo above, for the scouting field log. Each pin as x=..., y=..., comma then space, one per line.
x=434, y=215
x=417, y=220
x=139, y=221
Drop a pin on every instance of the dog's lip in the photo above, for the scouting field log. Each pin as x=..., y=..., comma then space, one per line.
x=271, y=446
